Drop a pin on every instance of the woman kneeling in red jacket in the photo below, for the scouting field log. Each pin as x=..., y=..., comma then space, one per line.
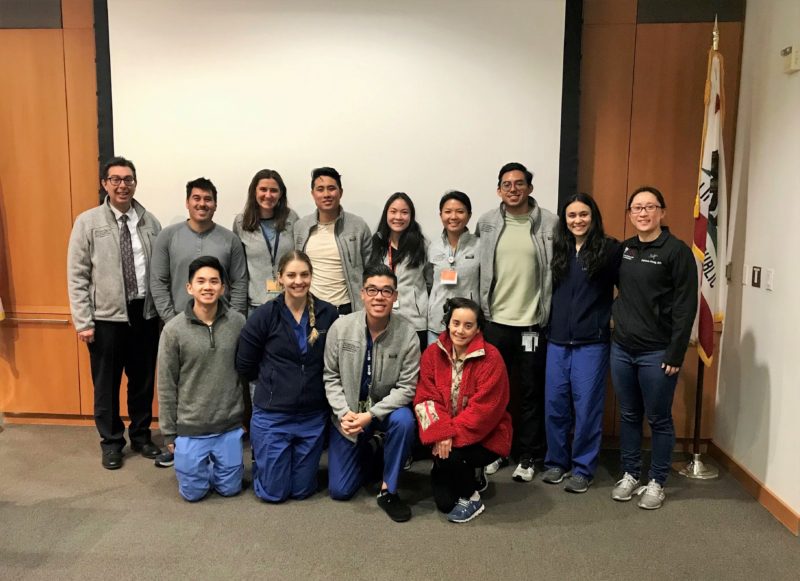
x=460, y=404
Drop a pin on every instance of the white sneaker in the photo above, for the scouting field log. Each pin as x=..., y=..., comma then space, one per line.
x=625, y=487
x=496, y=465
x=524, y=471
x=652, y=496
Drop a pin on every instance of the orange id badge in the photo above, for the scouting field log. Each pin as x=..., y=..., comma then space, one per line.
x=273, y=286
x=448, y=277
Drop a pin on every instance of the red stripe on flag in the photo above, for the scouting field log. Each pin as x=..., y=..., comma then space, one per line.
x=705, y=333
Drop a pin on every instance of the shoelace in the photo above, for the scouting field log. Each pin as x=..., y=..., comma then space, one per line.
x=652, y=489
x=628, y=479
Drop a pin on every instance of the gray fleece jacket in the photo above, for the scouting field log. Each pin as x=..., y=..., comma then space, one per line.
x=395, y=357
x=465, y=261
x=490, y=228
x=354, y=241
x=198, y=388
x=259, y=261
x=94, y=266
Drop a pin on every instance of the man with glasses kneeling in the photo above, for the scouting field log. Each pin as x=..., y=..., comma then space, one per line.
x=371, y=367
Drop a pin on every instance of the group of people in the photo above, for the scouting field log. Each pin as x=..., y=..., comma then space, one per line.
x=313, y=332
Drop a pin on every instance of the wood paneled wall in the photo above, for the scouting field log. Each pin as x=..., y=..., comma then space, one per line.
x=48, y=175
x=642, y=89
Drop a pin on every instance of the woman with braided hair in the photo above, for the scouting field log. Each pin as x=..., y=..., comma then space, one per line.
x=281, y=348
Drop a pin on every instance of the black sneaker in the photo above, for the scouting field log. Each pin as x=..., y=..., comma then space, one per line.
x=164, y=460
x=146, y=449
x=394, y=506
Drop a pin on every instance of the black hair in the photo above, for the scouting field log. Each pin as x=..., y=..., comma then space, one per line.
x=592, y=256
x=206, y=261
x=659, y=196
x=378, y=269
x=515, y=166
x=411, y=245
x=251, y=215
x=457, y=196
x=454, y=303
x=328, y=172
x=204, y=184
x=120, y=161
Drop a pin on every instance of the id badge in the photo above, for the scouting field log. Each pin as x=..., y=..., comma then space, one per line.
x=273, y=286
x=448, y=277
x=530, y=341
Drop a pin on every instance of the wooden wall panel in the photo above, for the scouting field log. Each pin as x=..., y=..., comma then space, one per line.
x=34, y=170
x=77, y=14
x=605, y=116
x=39, y=365
x=667, y=115
x=609, y=11
x=81, y=91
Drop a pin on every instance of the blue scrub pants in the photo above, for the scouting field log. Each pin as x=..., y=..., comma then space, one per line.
x=642, y=388
x=203, y=463
x=575, y=376
x=287, y=449
x=350, y=464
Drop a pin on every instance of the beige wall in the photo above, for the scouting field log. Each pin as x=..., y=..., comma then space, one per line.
x=758, y=398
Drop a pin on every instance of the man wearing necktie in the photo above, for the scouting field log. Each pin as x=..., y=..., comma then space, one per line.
x=113, y=311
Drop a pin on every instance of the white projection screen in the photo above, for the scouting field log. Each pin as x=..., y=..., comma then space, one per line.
x=419, y=96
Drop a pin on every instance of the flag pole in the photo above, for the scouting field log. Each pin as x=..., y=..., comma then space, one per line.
x=696, y=469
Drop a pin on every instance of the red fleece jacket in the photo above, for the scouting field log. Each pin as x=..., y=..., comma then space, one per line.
x=481, y=416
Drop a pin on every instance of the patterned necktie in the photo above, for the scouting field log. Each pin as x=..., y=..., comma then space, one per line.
x=128, y=268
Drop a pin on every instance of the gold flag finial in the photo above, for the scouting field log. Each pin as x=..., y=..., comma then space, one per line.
x=715, y=35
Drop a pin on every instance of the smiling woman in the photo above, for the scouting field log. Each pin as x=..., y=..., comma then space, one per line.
x=283, y=338
x=649, y=344
x=266, y=229
x=460, y=404
x=399, y=244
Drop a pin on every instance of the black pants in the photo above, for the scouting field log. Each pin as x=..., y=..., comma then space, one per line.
x=454, y=477
x=133, y=348
x=528, y=367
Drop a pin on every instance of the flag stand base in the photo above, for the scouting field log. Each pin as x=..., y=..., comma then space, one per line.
x=696, y=469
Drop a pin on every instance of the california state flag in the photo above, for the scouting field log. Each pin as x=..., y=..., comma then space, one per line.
x=710, y=214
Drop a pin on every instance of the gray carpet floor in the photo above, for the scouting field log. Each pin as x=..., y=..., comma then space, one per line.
x=62, y=516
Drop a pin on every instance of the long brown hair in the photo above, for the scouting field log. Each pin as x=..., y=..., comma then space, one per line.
x=252, y=214
x=312, y=316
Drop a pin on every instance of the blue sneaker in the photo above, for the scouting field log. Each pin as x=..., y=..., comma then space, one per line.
x=465, y=510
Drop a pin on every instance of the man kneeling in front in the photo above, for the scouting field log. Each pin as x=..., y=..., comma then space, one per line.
x=199, y=395
x=371, y=367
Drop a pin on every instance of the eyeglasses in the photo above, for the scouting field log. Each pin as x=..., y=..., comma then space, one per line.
x=649, y=208
x=519, y=185
x=116, y=180
x=386, y=292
